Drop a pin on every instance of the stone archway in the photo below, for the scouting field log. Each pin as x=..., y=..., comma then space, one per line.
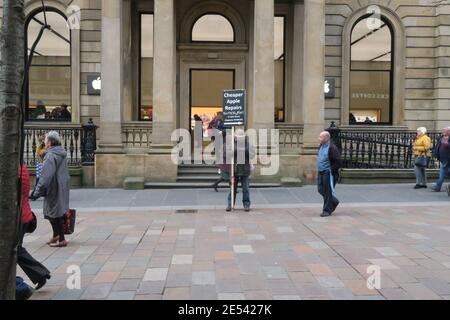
x=221, y=8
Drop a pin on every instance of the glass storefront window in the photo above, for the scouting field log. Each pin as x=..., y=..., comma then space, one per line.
x=212, y=28
x=279, y=60
x=49, y=83
x=371, y=72
x=146, y=69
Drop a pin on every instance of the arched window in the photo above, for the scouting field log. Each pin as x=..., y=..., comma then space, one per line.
x=49, y=86
x=212, y=28
x=371, y=72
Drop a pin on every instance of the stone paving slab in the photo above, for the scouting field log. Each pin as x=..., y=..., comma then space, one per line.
x=117, y=200
x=284, y=253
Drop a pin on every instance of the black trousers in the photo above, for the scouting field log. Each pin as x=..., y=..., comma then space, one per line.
x=58, y=227
x=34, y=270
x=329, y=200
x=219, y=181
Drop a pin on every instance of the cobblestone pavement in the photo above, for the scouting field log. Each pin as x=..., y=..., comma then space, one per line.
x=265, y=254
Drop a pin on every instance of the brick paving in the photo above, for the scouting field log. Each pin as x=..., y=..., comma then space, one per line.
x=265, y=254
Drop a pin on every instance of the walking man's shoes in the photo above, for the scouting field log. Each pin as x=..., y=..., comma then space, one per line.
x=247, y=209
x=228, y=209
x=325, y=214
x=335, y=206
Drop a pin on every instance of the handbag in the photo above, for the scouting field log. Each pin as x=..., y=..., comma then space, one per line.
x=421, y=161
x=69, y=221
x=32, y=225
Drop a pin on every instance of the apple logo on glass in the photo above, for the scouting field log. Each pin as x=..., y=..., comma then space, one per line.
x=97, y=84
x=326, y=87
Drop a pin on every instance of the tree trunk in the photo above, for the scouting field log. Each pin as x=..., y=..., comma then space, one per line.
x=11, y=75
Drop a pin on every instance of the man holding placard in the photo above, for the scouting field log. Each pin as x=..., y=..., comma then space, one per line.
x=242, y=152
x=239, y=151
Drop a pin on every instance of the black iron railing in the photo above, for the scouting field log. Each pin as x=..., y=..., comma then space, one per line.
x=378, y=148
x=79, y=142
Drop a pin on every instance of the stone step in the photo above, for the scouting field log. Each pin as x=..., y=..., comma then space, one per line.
x=198, y=178
x=370, y=176
x=197, y=166
x=201, y=185
x=199, y=171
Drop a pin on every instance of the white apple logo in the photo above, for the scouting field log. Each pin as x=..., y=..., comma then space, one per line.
x=326, y=87
x=97, y=84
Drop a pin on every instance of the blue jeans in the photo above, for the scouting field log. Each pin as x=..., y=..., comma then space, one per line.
x=23, y=291
x=443, y=173
x=245, y=183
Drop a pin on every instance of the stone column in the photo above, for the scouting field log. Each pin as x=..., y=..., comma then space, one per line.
x=297, y=64
x=313, y=100
x=111, y=96
x=164, y=73
x=263, y=65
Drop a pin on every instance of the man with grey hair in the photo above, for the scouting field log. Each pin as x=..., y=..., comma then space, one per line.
x=328, y=165
x=54, y=186
x=442, y=152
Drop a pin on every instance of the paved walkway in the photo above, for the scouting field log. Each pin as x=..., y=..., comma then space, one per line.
x=270, y=253
x=360, y=195
x=140, y=245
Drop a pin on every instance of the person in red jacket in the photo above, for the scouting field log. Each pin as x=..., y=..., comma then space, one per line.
x=35, y=270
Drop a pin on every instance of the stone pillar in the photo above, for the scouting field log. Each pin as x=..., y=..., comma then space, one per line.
x=111, y=96
x=164, y=73
x=442, y=82
x=263, y=65
x=313, y=100
x=297, y=64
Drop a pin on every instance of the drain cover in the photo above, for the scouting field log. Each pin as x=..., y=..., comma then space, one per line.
x=186, y=211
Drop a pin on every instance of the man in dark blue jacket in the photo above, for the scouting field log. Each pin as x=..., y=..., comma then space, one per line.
x=328, y=165
x=442, y=153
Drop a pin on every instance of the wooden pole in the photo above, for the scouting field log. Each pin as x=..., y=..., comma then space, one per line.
x=232, y=168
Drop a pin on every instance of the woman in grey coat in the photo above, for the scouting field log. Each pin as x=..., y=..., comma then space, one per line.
x=54, y=186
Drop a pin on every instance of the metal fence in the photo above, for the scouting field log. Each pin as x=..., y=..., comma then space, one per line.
x=379, y=148
x=78, y=141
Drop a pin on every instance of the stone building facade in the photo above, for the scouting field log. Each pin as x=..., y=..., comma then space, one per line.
x=409, y=84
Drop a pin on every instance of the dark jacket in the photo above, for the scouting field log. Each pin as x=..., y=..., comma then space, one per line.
x=335, y=159
x=243, y=155
x=443, y=154
x=54, y=183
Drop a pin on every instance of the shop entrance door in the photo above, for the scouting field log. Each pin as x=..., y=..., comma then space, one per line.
x=206, y=97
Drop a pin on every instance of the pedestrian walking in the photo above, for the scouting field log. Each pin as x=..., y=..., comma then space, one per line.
x=41, y=150
x=422, y=153
x=54, y=186
x=244, y=153
x=35, y=271
x=442, y=153
x=328, y=164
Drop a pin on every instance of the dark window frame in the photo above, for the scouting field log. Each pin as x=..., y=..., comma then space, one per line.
x=212, y=42
x=140, y=14
x=26, y=97
x=391, y=72
x=284, y=65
